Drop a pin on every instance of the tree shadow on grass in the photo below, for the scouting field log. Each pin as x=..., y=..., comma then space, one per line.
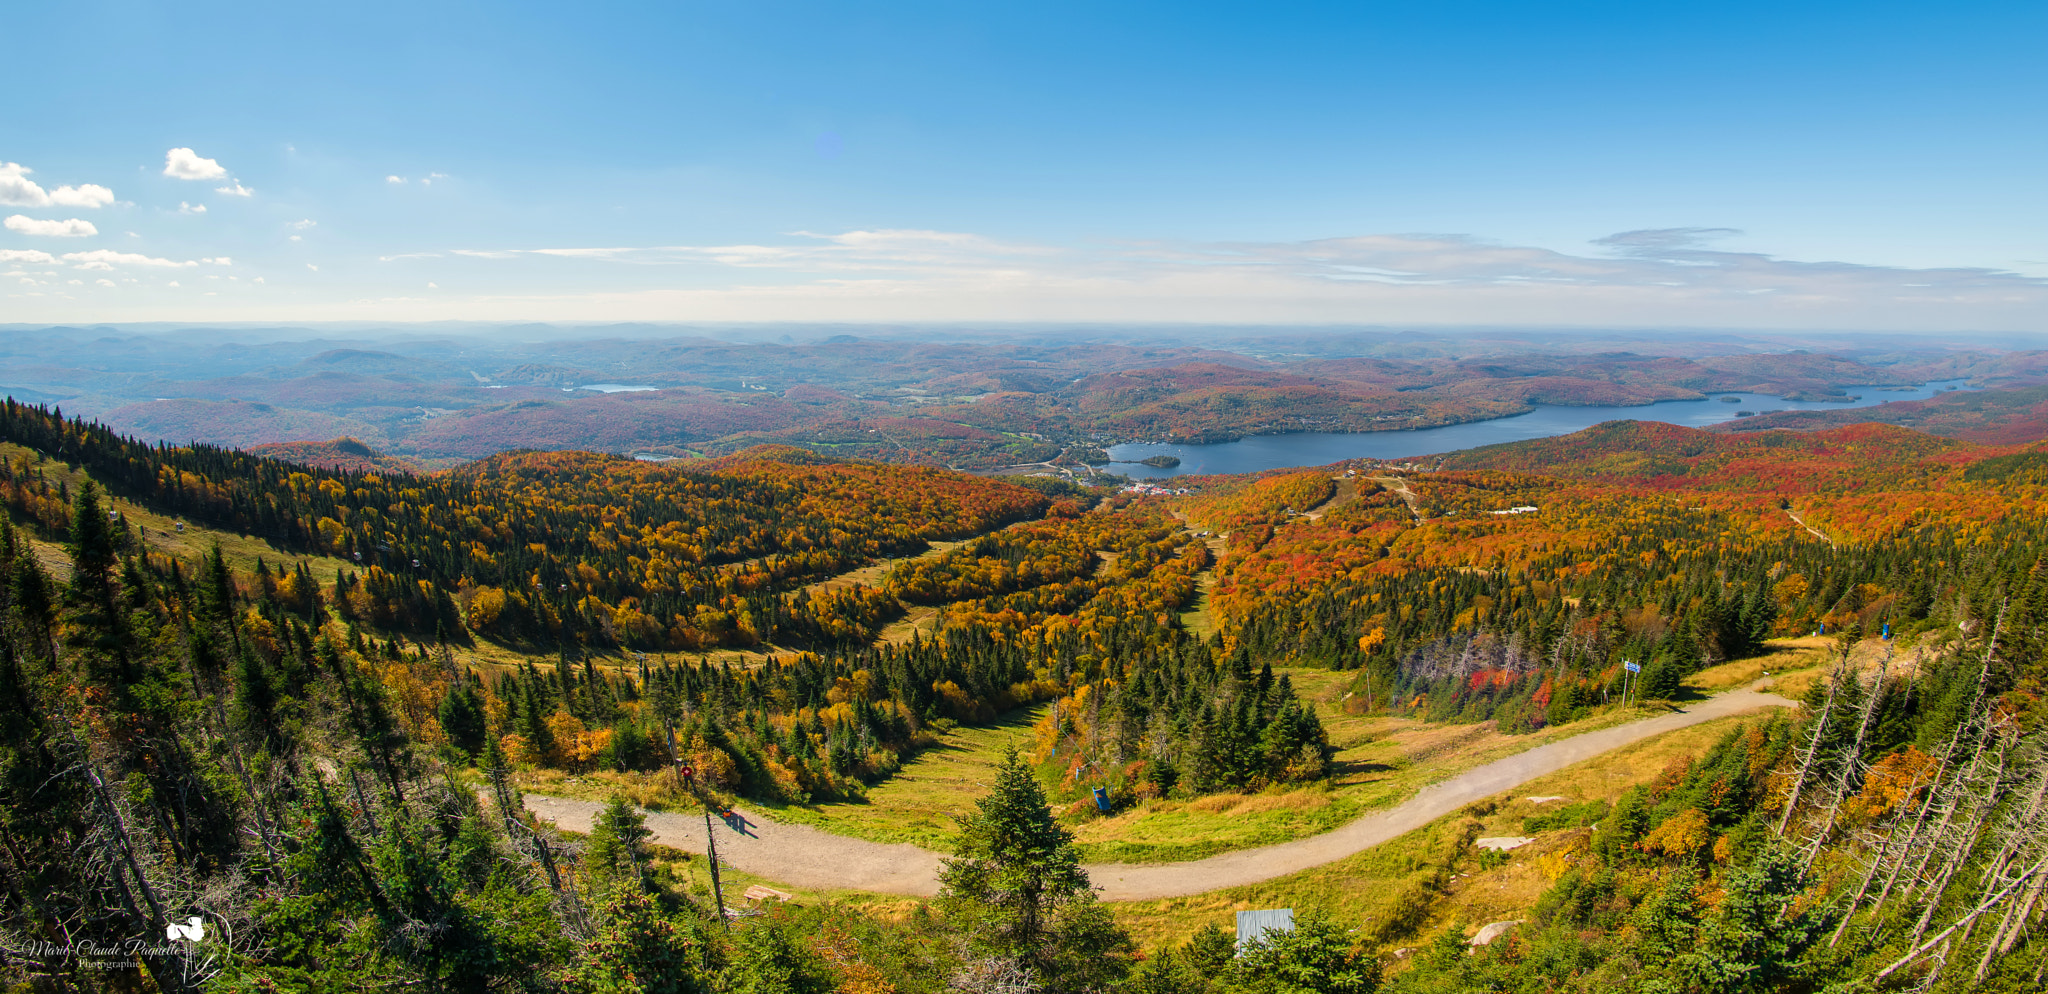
x=1344, y=772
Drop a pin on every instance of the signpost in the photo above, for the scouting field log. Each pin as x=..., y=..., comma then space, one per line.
x=1629, y=681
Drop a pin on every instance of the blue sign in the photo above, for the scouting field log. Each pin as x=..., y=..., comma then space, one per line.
x=1102, y=800
x=1631, y=667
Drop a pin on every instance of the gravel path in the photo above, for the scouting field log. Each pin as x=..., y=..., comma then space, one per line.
x=814, y=859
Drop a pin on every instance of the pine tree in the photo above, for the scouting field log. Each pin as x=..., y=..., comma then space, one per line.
x=1316, y=956
x=638, y=950
x=767, y=960
x=1015, y=887
x=462, y=716
x=617, y=852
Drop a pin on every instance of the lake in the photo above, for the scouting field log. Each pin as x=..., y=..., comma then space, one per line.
x=1262, y=452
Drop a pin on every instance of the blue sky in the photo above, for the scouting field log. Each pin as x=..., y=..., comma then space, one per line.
x=1807, y=165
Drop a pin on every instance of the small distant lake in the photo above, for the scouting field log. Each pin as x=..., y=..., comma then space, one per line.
x=611, y=388
x=1262, y=452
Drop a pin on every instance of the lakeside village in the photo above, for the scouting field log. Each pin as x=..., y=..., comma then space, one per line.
x=1148, y=490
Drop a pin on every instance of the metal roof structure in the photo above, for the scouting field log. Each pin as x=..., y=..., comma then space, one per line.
x=1253, y=924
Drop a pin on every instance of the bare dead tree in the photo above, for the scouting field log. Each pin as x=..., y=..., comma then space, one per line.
x=1982, y=906
x=1813, y=740
x=1852, y=764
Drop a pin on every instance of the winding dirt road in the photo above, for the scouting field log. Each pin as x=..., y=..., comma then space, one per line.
x=815, y=859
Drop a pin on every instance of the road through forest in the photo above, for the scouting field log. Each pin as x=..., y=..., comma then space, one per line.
x=812, y=858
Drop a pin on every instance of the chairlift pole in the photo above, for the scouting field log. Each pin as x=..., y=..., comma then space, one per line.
x=688, y=775
x=711, y=853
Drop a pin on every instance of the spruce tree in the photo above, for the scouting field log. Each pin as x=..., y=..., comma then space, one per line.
x=1015, y=887
x=618, y=844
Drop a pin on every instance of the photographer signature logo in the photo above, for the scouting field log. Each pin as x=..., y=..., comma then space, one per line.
x=183, y=941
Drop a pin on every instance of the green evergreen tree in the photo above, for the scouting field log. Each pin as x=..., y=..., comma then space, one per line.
x=1661, y=680
x=1756, y=938
x=1316, y=956
x=617, y=852
x=637, y=950
x=461, y=713
x=1014, y=886
x=766, y=959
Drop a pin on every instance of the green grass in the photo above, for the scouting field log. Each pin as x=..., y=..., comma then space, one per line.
x=1780, y=657
x=923, y=802
x=1381, y=762
x=163, y=537
x=1419, y=872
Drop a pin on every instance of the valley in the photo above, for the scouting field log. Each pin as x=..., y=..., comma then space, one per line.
x=1309, y=687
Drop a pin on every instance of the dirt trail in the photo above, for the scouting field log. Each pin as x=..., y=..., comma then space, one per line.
x=1346, y=489
x=1400, y=486
x=812, y=858
x=1815, y=532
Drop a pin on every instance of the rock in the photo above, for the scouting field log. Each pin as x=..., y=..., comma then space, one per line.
x=1494, y=931
x=1504, y=843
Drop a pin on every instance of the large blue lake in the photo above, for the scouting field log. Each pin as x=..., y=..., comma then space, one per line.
x=1262, y=452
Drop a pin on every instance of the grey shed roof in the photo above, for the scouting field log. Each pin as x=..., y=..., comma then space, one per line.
x=1252, y=924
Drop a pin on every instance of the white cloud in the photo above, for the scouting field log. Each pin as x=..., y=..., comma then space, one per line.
x=84, y=195
x=303, y=225
x=433, y=286
x=296, y=238
x=431, y=177
x=409, y=255
x=103, y=281
x=568, y=253
x=220, y=260
x=108, y=258
x=185, y=208
x=235, y=189
x=172, y=283
x=72, y=228
x=183, y=163
x=394, y=180
x=26, y=255
x=20, y=191
x=258, y=279
x=312, y=267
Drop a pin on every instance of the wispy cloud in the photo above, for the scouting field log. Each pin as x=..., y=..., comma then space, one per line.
x=1655, y=277
x=46, y=228
x=109, y=259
